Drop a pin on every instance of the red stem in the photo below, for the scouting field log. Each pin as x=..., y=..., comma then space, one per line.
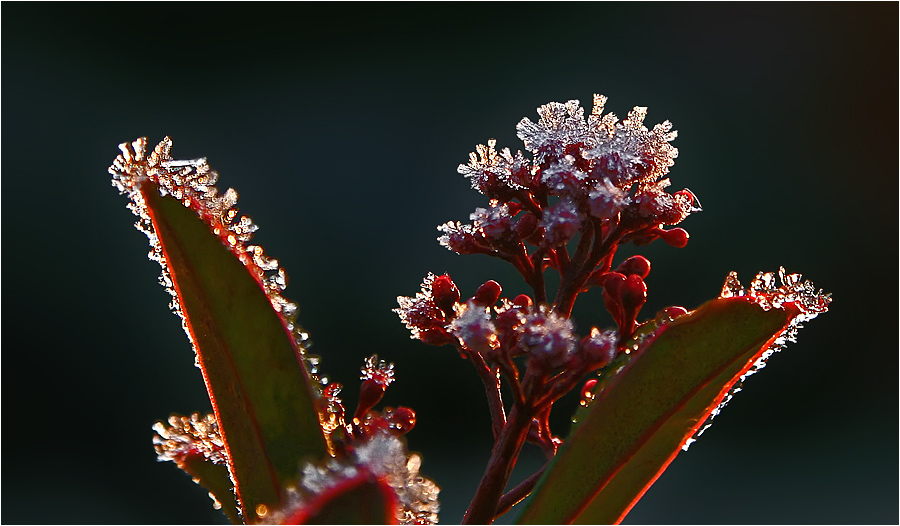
x=491, y=382
x=575, y=278
x=506, y=450
x=518, y=494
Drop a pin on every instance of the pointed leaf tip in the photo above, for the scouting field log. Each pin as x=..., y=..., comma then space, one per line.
x=228, y=294
x=663, y=396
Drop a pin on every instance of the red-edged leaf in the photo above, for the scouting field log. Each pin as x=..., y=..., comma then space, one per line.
x=363, y=499
x=643, y=414
x=260, y=391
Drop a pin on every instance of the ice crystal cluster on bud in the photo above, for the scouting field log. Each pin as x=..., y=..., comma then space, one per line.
x=378, y=370
x=382, y=455
x=547, y=338
x=193, y=182
x=474, y=328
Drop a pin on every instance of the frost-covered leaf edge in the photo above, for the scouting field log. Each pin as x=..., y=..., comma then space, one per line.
x=604, y=468
x=259, y=386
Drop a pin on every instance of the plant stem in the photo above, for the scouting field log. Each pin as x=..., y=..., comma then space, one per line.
x=503, y=457
x=491, y=381
x=518, y=494
x=574, y=279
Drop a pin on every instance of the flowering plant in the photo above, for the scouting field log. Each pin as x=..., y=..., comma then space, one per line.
x=281, y=446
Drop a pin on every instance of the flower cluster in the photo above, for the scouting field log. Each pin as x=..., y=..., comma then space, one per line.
x=583, y=187
x=598, y=170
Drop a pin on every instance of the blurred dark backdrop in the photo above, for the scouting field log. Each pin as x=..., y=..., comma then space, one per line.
x=342, y=124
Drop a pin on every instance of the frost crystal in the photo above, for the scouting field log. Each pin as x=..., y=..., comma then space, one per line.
x=560, y=125
x=378, y=370
x=193, y=183
x=769, y=294
x=491, y=172
x=599, y=166
x=561, y=222
x=384, y=456
x=420, y=313
x=547, y=337
x=473, y=327
x=490, y=230
x=193, y=435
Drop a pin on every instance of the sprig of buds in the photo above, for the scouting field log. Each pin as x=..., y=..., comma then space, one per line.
x=585, y=187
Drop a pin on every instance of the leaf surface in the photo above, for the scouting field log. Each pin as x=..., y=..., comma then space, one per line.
x=260, y=390
x=643, y=414
x=363, y=499
x=215, y=478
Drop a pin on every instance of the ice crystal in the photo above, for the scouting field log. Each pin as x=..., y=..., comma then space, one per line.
x=561, y=222
x=770, y=293
x=606, y=200
x=597, y=165
x=384, y=456
x=378, y=370
x=420, y=313
x=560, y=126
x=474, y=328
x=626, y=152
x=547, y=337
x=193, y=183
x=185, y=436
x=491, y=229
x=491, y=172
x=599, y=348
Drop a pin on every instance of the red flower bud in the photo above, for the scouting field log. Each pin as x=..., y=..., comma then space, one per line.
x=677, y=237
x=402, y=419
x=488, y=294
x=445, y=293
x=638, y=265
x=370, y=393
x=526, y=225
x=436, y=337
x=523, y=300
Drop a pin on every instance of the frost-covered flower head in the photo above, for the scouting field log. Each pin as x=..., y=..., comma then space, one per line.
x=600, y=167
x=548, y=338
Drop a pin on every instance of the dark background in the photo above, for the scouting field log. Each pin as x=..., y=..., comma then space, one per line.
x=341, y=125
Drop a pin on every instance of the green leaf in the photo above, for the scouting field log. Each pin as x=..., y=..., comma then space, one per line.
x=642, y=415
x=260, y=390
x=363, y=499
x=213, y=477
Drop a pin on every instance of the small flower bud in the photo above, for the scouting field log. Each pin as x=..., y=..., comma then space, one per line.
x=598, y=349
x=488, y=293
x=370, y=393
x=436, y=337
x=445, y=293
x=677, y=237
x=402, y=419
x=523, y=300
x=638, y=265
x=633, y=292
x=547, y=338
x=526, y=225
